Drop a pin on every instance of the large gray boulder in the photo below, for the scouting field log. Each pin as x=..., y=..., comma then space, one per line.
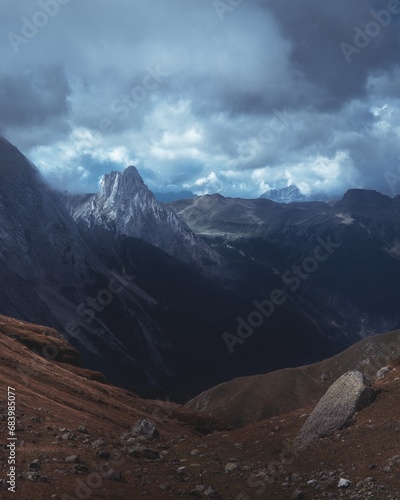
x=349, y=394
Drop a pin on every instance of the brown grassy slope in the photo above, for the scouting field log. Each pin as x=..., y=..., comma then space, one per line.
x=51, y=396
x=42, y=340
x=53, y=400
x=251, y=399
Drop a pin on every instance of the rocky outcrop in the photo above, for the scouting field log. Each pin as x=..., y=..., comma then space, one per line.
x=45, y=342
x=350, y=393
x=125, y=206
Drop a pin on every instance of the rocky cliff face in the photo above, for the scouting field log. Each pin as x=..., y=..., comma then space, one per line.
x=125, y=206
x=41, y=249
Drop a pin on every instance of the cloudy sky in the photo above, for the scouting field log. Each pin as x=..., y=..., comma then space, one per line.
x=229, y=96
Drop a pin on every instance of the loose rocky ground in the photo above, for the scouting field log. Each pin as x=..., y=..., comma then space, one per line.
x=80, y=438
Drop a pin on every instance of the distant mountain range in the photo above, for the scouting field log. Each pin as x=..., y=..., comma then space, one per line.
x=173, y=299
x=218, y=300
x=266, y=242
x=292, y=193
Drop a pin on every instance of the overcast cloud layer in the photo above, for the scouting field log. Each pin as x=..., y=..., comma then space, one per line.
x=222, y=96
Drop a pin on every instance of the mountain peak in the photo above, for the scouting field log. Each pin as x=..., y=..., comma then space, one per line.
x=133, y=173
x=365, y=197
x=124, y=183
x=292, y=194
x=126, y=206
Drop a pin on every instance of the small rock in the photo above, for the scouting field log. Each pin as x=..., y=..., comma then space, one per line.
x=140, y=451
x=105, y=455
x=344, y=483
x=146, y=428
x=80, y=469
x=195, y=452
x=35, y=476
x=230, y=467
x=382, y=372
x=35, y=465
x=181, y=470
x=73, y=459
x=211, y=493
x=298, y=494
x=98, y=443
x=151, y=454
x=394, y=460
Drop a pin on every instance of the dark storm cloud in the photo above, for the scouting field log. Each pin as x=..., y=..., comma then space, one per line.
x=30, y=98
x=263, y=93
x=317, y=30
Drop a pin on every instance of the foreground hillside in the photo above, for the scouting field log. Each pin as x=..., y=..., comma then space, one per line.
x=250, y=399
x=75, y=439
